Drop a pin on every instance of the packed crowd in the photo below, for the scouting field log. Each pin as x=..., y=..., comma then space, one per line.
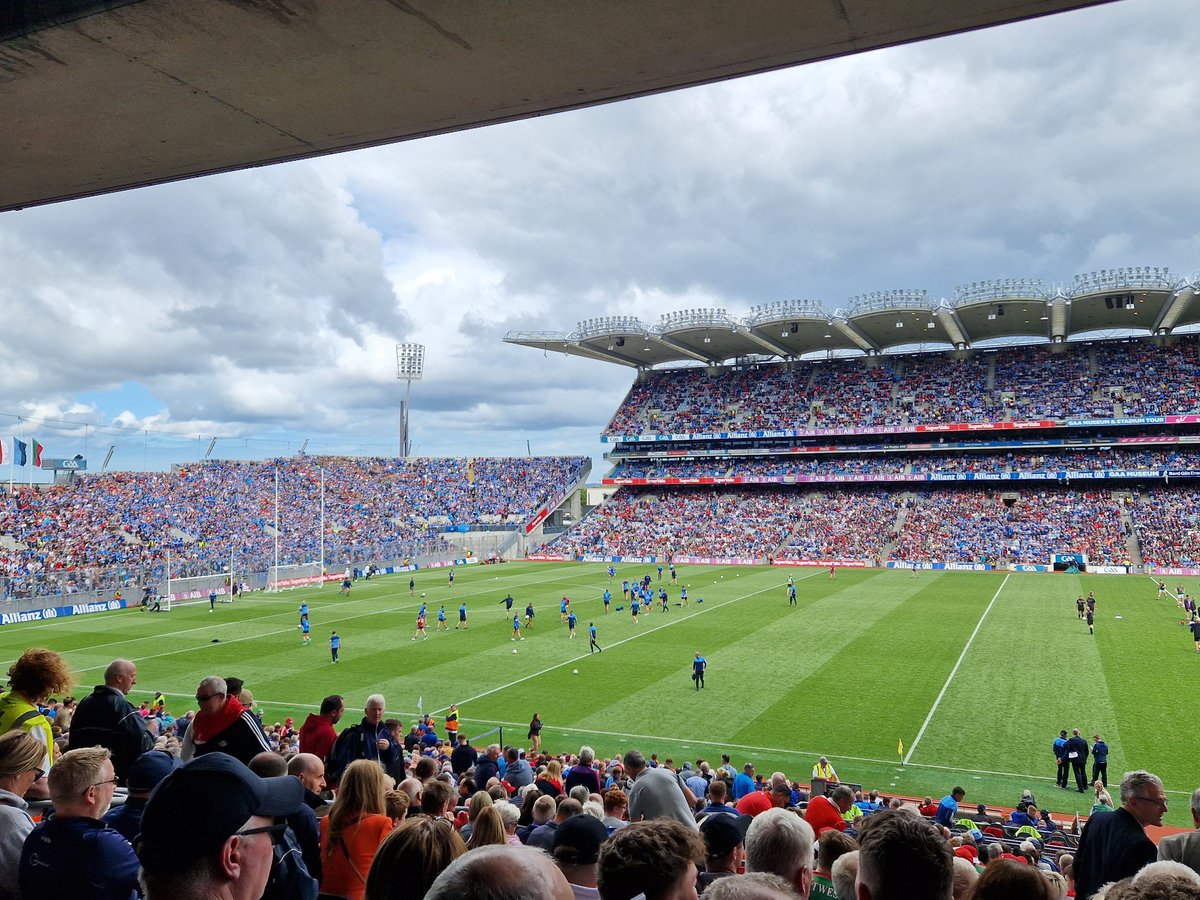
x=980, y=526
x=971, y=525
x=114, y=529
x=372, y=812
x=736, y=523
x=1181, y=457
x=1020, y=383
x=1167, y=525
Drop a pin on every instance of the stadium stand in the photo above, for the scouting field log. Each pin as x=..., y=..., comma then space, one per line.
x=1020, y=455
x=112, y=529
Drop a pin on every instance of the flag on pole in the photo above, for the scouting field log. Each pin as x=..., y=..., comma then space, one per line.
x=37, y=453
x=19, y=454
x=470, y=471
x=420, y=705
x=900, y=748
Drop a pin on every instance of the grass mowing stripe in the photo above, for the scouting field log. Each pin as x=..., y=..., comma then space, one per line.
x=950, y=677
x=676, y=621
x=251, y=602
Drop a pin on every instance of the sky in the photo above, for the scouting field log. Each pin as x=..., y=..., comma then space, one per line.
x=263, y=307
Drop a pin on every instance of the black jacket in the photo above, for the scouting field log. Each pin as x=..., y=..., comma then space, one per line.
x=105, y=718
x=1113, y=846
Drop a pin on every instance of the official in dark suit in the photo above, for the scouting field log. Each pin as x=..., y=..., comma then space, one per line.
x=1077, y=754
x=1114, y=845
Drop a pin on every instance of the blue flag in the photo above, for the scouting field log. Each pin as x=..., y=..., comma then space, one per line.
x=19, y=454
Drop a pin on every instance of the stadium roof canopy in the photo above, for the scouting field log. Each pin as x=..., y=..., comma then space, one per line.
x=102, y=95
x=1135, y=302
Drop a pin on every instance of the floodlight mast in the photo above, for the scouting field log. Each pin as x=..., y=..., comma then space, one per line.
x=410, y=366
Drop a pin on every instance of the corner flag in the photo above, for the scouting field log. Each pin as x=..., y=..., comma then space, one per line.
x=900, y=748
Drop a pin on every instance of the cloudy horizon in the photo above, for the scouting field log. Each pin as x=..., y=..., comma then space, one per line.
x=263, y=307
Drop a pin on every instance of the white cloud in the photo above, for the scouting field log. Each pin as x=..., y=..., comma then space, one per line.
x=268, y=302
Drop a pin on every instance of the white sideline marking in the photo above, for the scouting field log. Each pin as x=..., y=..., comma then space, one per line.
x=961, y=656
x=652, y=738
x=254, y=601
x=650, y=630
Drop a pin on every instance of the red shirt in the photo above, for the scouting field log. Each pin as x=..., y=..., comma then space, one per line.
x=317, y=736
x=754, y=803
x=823, y=815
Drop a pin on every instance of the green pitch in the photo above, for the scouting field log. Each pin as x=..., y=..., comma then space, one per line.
x=974, y=672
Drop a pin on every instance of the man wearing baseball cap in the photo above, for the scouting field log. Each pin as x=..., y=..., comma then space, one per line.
x=210, y=828
x=143, y=776
x=724, y=846
x=576, y=848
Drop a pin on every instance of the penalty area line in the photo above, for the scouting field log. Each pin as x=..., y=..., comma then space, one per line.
x=953, y=672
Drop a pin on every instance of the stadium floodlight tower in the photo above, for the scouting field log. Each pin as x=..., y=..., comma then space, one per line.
x=410, y=366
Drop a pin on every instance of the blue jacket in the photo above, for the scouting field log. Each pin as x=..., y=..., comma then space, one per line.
x=78, y=857
x=1060, y=748
x=1100, y=752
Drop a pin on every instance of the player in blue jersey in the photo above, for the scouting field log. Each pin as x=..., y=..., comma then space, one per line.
x=699, y=666
x=791, y=588
x=516, y=635
x=660, y=571
x=529, y=615
x=462, y=617
x=664, y=600
x=571, y=624
x=607, y=601
x=508, y=602
x=683, y=598
x=441, y=625
x=304, y=629
x=562, y=608
x=303, y=612
x=624, y=590
x=593, y=647
x=611, y=574
x=634, y=606
x=335, y=644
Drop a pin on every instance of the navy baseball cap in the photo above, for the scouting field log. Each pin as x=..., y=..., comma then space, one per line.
x=200, y=805
x=149, y=769
x=577, y=840
x=722, y=832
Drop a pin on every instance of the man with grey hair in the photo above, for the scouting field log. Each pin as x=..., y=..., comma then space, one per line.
x=1185, y=847
x=1114, y=844
x=658, y=793
x=583, y=773
x=487, y=767
x=369, y=739
x=902, y=856
x=501, y=871
x=780, y=842
x=105, y=718
x=222, y=724
x=844, y=874
x=753, y=886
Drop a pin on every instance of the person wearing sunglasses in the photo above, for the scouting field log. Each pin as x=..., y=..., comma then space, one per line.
x=1114, y=844
x=210, y=830
x=75, y=854
x=222, y=724
x=21, y=759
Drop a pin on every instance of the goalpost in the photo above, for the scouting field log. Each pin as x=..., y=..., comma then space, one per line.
x=286, y=577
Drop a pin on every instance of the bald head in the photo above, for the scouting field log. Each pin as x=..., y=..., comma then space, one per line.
x=121, y=674
x=501, y=871
x=309, y=769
